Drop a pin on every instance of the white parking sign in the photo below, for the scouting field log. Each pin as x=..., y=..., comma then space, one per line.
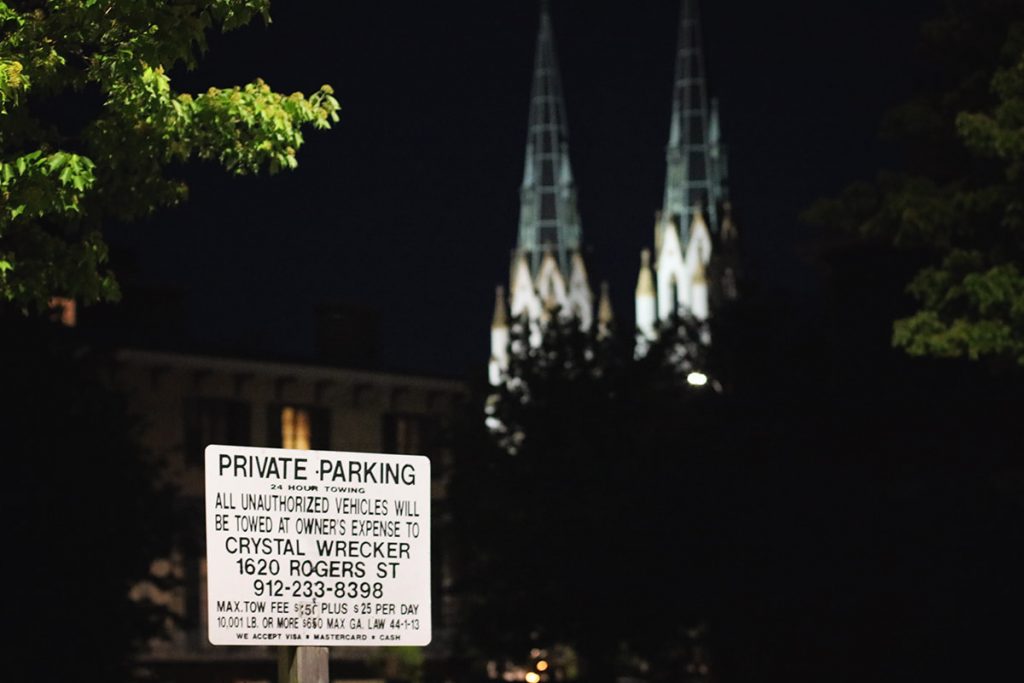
x=317, y=547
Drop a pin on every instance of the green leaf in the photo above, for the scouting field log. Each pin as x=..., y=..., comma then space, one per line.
x=124, y=50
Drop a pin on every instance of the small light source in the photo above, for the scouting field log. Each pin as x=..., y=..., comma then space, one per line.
x=542, y=665
x=697, y=379
x=64, y=311
x=532, y=677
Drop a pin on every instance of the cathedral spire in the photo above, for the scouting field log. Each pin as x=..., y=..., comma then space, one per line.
x=547, y=205
x=694, y=165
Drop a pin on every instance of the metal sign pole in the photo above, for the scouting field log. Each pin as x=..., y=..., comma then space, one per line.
x=302, y=664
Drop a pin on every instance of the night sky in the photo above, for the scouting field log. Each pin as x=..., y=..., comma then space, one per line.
x=410, y=204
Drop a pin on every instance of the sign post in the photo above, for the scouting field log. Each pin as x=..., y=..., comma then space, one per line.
x=309, y=549
x=302, y=664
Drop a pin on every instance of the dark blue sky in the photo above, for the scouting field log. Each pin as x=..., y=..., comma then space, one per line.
x=410, y=204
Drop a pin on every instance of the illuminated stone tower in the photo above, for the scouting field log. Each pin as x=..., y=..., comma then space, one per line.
x=548, y=219
x=694, y=159
x=547, y=274
x=694, y=234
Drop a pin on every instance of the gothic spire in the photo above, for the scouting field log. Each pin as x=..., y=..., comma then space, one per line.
x=547, y=204
x=694, y=170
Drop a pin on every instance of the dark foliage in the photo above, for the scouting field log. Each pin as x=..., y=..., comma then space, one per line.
x=954, y=204
x=84, y=513
x=839, y=512
x=573, y=537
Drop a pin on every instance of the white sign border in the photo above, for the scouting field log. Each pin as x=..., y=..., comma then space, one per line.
x=421, y=636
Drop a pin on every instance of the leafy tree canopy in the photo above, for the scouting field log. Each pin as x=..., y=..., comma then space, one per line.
x=786, y=511
x=90, y=127
x=555, y=497
x=958, y=202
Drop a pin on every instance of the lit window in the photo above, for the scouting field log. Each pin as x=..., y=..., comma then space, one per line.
x=302, y=427
x=64, y=311
x=295, y=431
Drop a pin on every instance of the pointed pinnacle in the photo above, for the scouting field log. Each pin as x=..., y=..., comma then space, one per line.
x=604, y=307
x=699, y=277
x=500, y=316
x=579, y=268
x=645, y=282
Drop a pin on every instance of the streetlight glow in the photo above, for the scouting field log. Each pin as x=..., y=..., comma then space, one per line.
x=697, y=379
